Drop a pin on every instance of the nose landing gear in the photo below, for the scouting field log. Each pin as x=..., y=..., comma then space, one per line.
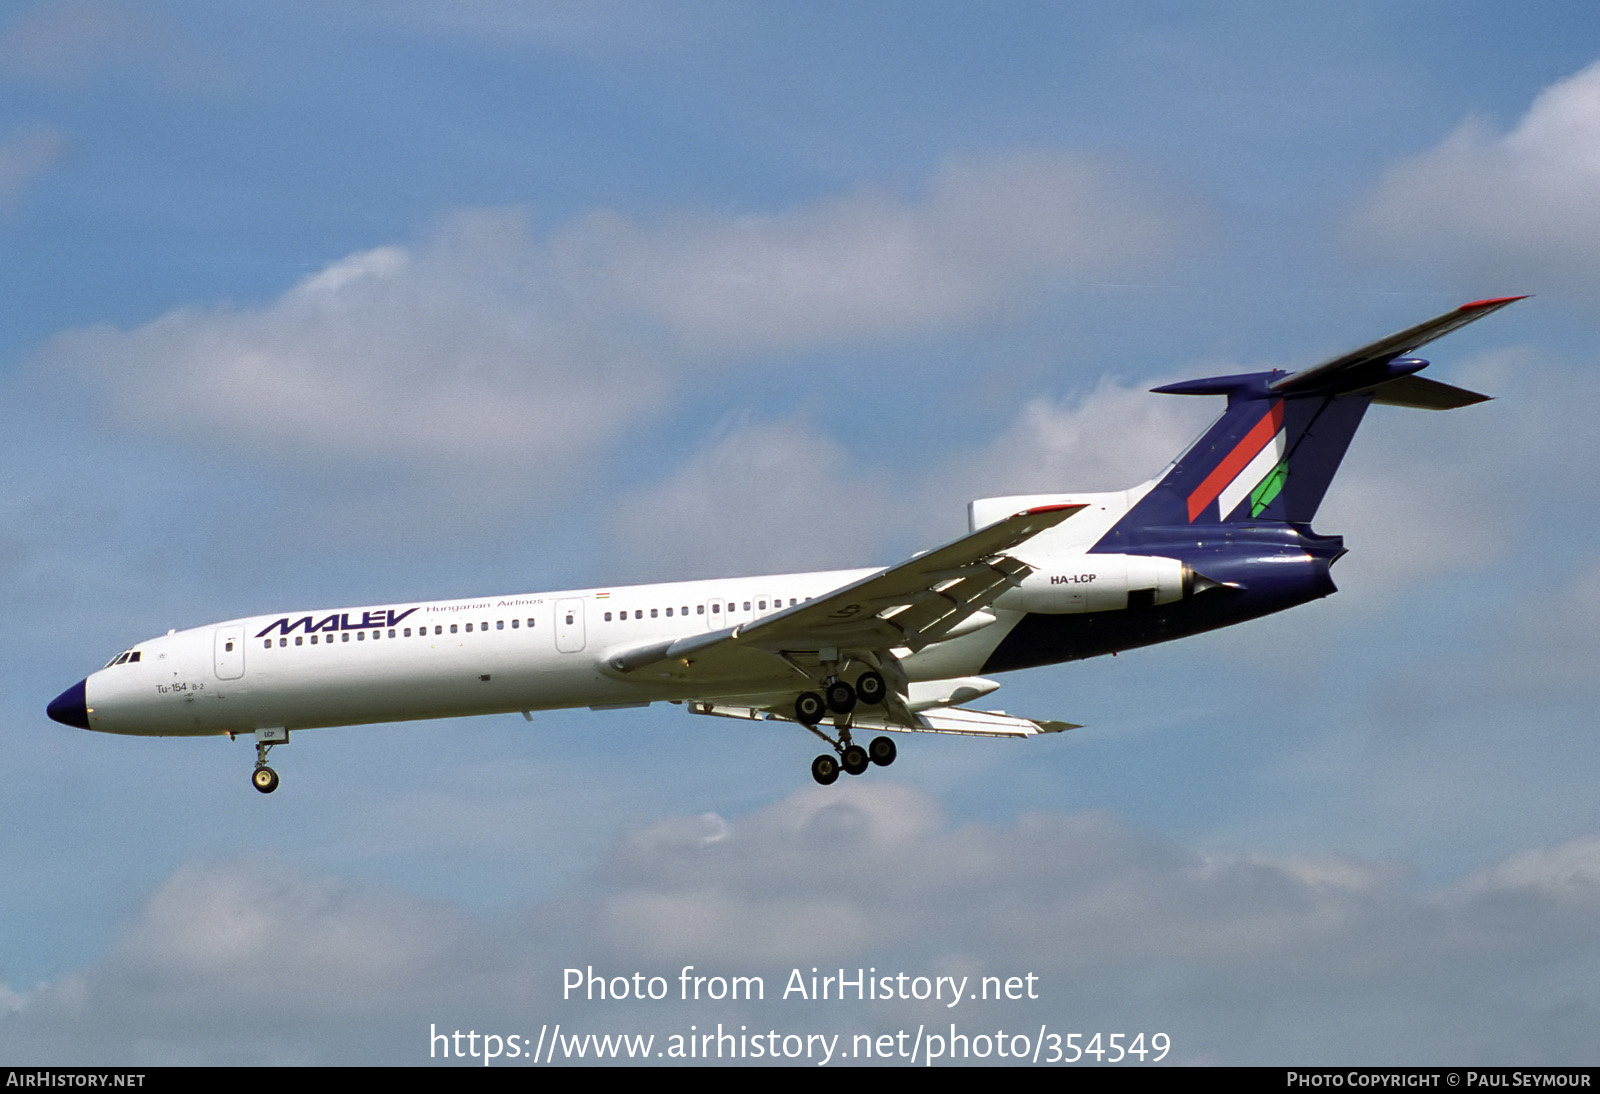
x=263, y=777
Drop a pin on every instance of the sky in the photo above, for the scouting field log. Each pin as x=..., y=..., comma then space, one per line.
x=311, y=304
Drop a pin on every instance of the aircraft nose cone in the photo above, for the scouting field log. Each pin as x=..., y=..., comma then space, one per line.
x=70, y=708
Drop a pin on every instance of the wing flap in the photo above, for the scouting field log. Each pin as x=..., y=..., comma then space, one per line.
x=960, y=721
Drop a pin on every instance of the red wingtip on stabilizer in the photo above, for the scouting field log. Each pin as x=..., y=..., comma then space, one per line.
x=1491, y=302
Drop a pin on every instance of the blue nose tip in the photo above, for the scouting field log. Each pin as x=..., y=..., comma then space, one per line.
x=70, y=708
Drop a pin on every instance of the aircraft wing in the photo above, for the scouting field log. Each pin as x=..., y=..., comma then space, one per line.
x=909, y=606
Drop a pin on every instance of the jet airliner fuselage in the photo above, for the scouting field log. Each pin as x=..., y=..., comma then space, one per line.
x=1222, y=535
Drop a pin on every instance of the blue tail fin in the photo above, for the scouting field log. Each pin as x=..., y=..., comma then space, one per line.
x=1274, y=451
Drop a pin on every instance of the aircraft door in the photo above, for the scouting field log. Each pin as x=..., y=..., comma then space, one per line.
x=229, y=653
x=569, y=625
x=714, y=620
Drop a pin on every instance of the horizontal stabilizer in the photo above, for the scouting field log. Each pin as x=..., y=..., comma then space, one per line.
x=1355, y=369
x=1420, y=393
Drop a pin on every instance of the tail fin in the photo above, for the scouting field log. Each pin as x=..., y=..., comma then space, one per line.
x=1272, y=454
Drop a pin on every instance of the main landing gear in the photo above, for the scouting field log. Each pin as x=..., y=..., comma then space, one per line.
x=840, y=698
x=853, y=759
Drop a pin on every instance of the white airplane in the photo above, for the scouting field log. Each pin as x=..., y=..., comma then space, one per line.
x=1222, y=535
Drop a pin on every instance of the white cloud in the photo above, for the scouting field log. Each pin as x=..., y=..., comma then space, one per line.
x=1493, y=205
x=459, y=350
x=763, y=497
x=1571, y=870
x=1241, y=958
x=769, y=497
x=874, y=264
x=488, y=346
x=1114, y=437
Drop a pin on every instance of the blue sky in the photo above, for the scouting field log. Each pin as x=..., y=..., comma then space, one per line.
x=330, y=304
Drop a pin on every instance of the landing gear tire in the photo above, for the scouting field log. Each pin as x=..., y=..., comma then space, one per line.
x=266, y=779
x=825, y=769
x=854, y=759
x=882, y=751
x=809, y=709
x=870, y=688
x=841, y=697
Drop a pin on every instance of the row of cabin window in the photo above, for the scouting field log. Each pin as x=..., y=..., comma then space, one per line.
x=700, y=609
x=422, y=632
